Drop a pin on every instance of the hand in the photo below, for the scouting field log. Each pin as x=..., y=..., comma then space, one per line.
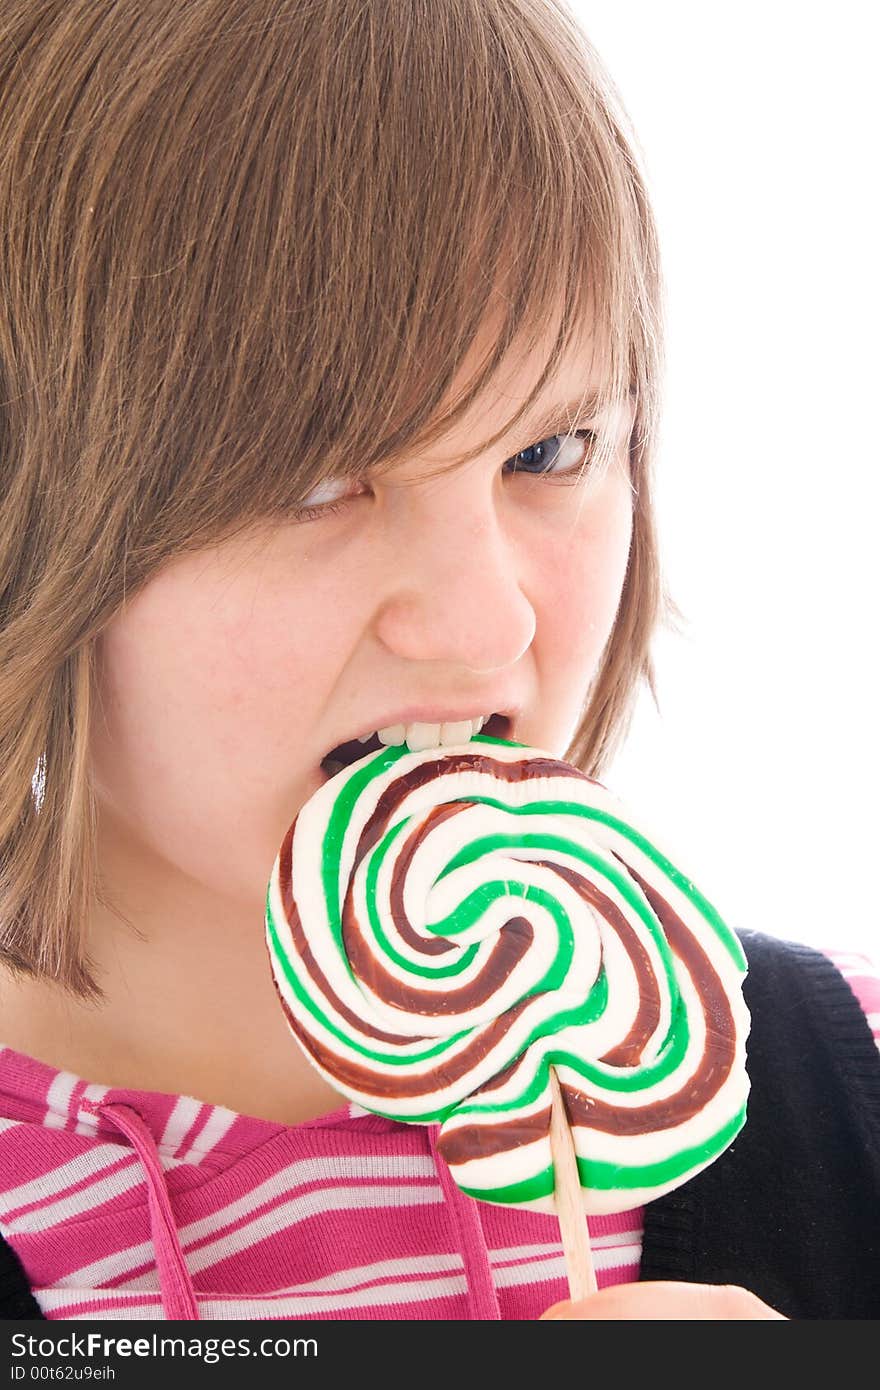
x=668, y=1301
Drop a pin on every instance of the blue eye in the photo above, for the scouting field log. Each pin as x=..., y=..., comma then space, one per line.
x=541, y=458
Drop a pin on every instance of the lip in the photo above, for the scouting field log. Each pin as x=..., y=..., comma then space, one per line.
x=414, y=715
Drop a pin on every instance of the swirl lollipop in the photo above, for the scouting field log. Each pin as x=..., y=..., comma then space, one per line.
x=455, y=932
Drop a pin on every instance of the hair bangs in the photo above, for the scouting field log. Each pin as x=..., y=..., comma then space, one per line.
x=542, y=223
x=310, y=282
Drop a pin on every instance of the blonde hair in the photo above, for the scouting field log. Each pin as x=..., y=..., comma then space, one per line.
x=246, y=245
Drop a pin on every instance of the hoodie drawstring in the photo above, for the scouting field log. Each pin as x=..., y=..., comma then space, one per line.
x=482, y=1295
x=175, y=1284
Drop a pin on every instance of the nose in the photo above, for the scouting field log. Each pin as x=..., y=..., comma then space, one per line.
x=455, y=595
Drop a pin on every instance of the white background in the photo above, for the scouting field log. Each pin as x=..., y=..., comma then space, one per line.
x=758, y=127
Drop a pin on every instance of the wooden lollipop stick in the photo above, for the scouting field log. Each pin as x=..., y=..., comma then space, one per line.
x=567, y=1195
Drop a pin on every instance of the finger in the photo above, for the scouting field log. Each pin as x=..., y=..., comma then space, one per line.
x=666, y=1300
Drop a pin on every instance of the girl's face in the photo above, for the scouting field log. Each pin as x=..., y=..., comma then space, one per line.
x=231, y=675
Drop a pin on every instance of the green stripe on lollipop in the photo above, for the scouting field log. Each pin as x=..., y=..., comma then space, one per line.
x=468, y=911
x=624, y=885
x=340, y=816
x=318, y=1013
x=602, y=1176
x=666, y=867
x=460, y=962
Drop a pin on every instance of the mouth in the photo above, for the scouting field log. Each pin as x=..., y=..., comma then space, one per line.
x=344, y=754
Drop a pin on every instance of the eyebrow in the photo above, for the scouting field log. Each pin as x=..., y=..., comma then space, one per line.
x=568, y=413
x=547, y=420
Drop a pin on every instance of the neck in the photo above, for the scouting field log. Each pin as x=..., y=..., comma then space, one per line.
x=190, y=1007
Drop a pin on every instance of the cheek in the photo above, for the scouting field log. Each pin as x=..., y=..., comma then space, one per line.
x=208, y=676
x=207, y=692
x=221, y=664
x=582, y=580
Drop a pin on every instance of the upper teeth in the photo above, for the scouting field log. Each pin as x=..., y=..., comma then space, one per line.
x=419, y=736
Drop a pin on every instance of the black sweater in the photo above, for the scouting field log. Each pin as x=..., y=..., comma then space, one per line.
x=792, y=1209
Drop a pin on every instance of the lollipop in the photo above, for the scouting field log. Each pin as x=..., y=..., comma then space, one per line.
x=455, y=932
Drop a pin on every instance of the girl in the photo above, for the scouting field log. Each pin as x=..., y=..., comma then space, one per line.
x=330, y=350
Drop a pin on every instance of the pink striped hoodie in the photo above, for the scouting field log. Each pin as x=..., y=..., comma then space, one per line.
x=141, y=1205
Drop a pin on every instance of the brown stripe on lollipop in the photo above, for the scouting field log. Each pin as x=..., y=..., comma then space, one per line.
x=478, y=1140
x=445, y=1071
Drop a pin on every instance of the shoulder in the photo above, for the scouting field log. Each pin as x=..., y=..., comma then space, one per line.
x=863, y=978
x=826, y=969
x=814, y=1011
